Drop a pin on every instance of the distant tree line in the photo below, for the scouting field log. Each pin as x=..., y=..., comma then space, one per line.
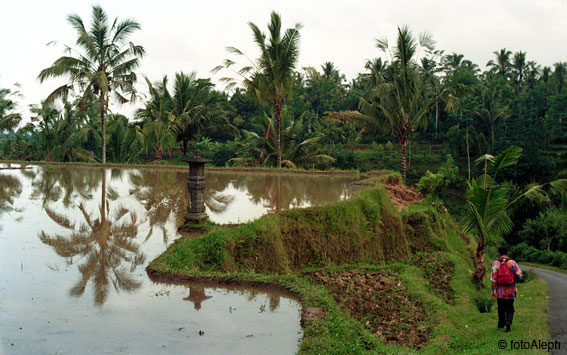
x=274, y=113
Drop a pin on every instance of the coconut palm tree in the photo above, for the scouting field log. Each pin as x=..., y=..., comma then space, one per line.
x=452, y=62
x=331, y=72
x=487, y=203
x=491, y=112
x=158, y=122
x=296, y=151
x=519, y=68
x=9, y=119
x=402, y=98
x=560, y=76
x=103, y=64
x=269, y=78
x=196, y=108
x=502, y=63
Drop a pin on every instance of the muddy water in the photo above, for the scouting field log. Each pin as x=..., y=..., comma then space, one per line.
x=74, y=243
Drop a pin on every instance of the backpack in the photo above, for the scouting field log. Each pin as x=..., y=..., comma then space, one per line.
x=504, y=276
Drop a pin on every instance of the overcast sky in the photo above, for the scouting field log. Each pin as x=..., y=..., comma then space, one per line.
x=192, y=35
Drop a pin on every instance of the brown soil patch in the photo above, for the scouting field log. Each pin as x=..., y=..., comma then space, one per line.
x=464, y=237
x=379, y=300
x=401, y=195
x=311, y=313
x=191, y=232
x=374, y=174
x=439, y=271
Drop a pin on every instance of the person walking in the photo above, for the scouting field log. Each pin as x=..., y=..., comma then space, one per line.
x=505, y=272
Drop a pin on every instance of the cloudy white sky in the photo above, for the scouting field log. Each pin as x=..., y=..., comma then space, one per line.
x=192, y=35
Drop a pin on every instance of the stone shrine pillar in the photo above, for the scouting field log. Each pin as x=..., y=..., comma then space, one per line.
x=196, y=187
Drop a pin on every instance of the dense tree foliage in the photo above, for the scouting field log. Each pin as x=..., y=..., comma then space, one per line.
x=428, y=103
x=104, y=65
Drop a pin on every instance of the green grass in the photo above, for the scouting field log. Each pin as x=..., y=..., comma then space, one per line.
x=543, y=266
x=365, y=232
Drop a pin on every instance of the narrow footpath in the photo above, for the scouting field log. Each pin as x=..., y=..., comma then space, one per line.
x=557, y=314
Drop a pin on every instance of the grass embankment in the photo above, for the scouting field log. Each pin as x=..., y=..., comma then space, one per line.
x=543, y=266
x=380, y=279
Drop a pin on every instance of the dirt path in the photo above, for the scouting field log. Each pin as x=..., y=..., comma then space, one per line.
x=557, y=314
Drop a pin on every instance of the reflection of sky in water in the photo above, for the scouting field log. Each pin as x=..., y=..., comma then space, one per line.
x=36, y=281
x=240, y=209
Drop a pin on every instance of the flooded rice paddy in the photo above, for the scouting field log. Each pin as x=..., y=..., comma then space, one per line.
x=74, y=244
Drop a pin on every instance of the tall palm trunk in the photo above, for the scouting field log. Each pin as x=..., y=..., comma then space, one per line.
x=492, y=139
x=468, y=154
x=159, y=154
x=436, y=109
x=480, y=270
x=404, y=138
x=278, y=113
x=102, y=109
x=159, y=150
x=184, y=145
x=404, y=143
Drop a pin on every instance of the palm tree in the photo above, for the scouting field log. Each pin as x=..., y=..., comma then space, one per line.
x=560, y=76
x=520, y=68
x=376, y=68
x=9, y=119
x=126, y=140
x=452, y=62
x=401, y=100
x=487, y=203
x=533, y=73
x=331, y=72
x=296, y=151
x=491, y=112
x=105, y=65
x=270, y=78
x=60, y=134
x=502, y=63
x=197, y=109
x=158, y=122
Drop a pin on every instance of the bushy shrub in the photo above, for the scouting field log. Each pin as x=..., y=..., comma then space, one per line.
x=447, y=175
x=524, y=252
x=223, y=155
x=526, y=277
x=483, y=304
x=547, y=231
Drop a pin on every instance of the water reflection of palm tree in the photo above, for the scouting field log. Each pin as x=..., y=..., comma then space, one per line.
x=105, y=242
x=164, y=193
x=53, y=183
x=10, y=188
x=277, y=192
